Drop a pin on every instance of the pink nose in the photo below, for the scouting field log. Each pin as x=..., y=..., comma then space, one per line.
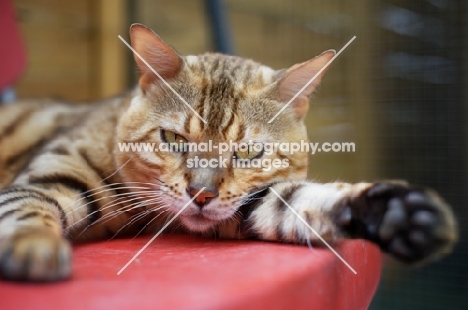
x=203, y=198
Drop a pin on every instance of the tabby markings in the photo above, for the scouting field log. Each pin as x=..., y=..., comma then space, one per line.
x=311, y=80
x=163, y=80
x=160, y=231
x=313, y=230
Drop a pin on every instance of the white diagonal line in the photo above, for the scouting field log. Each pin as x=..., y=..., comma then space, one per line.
x=160, y=231
x=313, y=230
x=311, y=80
x=163, y=80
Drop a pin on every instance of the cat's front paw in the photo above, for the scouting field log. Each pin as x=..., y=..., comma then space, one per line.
x=412, y=223
x=35, y=255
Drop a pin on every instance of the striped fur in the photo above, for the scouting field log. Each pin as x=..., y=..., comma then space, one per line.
x=64, y=178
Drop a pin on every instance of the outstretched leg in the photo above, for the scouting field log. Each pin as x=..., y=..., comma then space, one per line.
x=412, y=223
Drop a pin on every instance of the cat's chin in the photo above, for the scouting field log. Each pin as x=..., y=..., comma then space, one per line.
x=197, y=223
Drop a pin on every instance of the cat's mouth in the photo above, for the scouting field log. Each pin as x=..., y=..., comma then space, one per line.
x=201, y=218
x=198, y=222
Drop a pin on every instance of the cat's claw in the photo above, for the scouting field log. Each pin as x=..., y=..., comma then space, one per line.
x=35, y=255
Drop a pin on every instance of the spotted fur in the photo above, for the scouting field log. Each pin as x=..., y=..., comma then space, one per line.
x=64, y=178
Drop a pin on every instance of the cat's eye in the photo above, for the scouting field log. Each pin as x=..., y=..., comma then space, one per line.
x=174, y=139
x=252, y=152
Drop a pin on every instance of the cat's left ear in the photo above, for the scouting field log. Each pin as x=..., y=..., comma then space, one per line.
x=156, y=53
x=292, y=80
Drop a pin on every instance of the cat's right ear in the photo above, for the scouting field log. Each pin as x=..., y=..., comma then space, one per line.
x=154, y=53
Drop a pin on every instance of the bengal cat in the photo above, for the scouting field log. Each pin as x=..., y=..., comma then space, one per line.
x=64, y=178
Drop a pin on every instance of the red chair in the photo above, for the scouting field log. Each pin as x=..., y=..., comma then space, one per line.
x=183, y=272
x=12, y=52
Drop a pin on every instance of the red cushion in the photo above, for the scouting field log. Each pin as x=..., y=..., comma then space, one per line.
x=12, y=53
x=183, y=272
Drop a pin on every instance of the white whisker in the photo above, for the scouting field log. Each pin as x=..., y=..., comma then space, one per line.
x=125, y=208
x=113, y=204
x=128, y=208
x=116, y=171
x=111, y=175
x=106, y=197
x=110, y=185
x=140, y=216
x=106, y=190
x=146, y=225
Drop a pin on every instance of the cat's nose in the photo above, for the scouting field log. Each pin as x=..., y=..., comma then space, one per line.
x=204, y=197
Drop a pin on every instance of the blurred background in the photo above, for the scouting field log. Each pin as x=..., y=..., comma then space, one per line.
x=399, y=91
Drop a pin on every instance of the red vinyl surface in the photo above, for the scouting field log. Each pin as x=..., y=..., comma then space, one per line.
x=183, y=272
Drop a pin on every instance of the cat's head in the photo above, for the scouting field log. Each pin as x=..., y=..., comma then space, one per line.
x=217, y=98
